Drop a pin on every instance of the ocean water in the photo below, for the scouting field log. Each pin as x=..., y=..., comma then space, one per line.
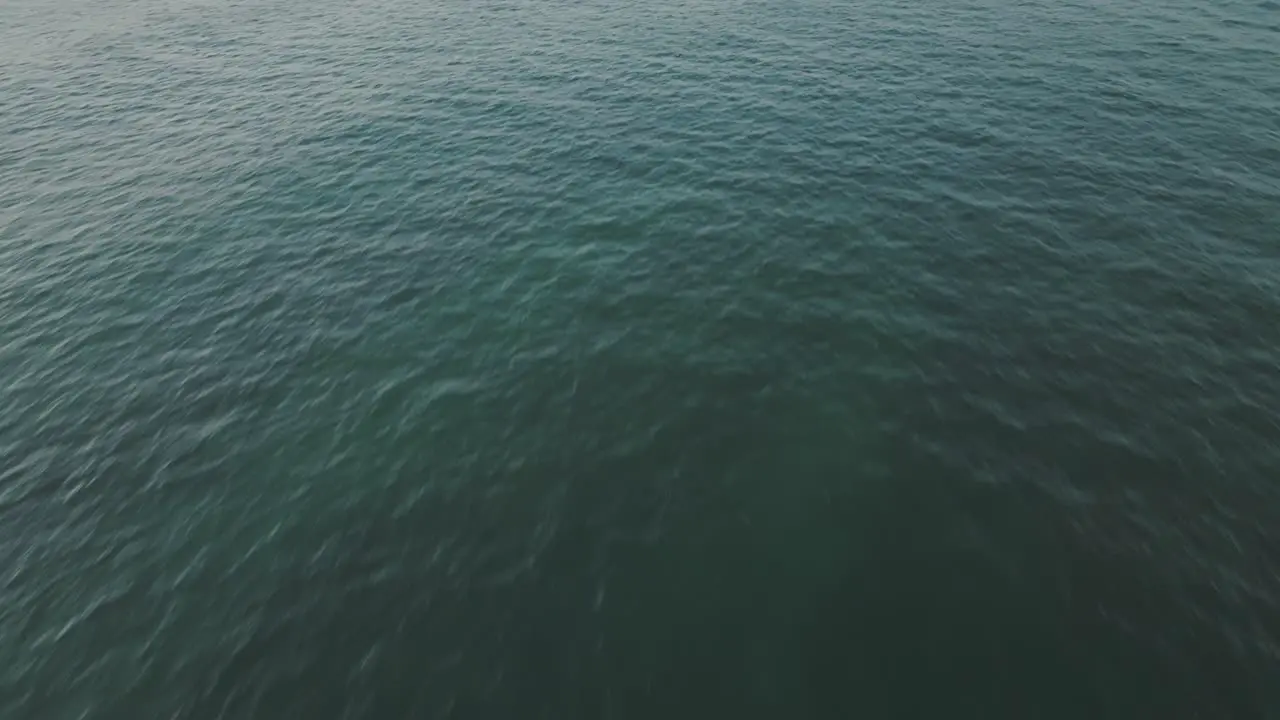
x=598, y=359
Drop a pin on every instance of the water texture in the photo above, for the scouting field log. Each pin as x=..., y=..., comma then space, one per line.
x=701, y=359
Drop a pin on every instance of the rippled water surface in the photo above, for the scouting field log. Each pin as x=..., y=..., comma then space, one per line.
x=601, y=359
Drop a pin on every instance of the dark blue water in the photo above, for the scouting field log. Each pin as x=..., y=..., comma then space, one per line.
x=710, y=359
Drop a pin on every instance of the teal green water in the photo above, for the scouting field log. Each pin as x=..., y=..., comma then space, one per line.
x=712, y=359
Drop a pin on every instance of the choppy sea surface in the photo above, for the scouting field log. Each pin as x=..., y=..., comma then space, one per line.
x=399, y=359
